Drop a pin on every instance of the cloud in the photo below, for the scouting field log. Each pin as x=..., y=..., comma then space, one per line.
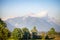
x=5, y=18
x=41, y=14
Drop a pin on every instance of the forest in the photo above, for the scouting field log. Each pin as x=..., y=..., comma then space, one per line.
x=26, y=34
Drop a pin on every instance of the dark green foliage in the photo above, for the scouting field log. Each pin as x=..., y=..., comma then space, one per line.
x=17, y=34
x=4, y=32
x=2, y=23
x=46, y=37
x=34, y=32
x=26, y=33
x=51, y=31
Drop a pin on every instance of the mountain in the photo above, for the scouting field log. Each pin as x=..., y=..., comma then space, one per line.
x=42, y=24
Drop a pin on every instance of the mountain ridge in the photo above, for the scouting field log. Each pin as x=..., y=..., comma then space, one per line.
x=41, y=23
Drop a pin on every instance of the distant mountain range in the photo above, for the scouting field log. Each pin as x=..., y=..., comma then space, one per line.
x=42, y=24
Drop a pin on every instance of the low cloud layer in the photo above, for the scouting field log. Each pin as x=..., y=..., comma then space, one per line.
x=41, y=14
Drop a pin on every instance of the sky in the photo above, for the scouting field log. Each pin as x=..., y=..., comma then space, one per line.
x=18, y=8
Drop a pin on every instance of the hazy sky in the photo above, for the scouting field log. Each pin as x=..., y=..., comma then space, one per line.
x=23, y=7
